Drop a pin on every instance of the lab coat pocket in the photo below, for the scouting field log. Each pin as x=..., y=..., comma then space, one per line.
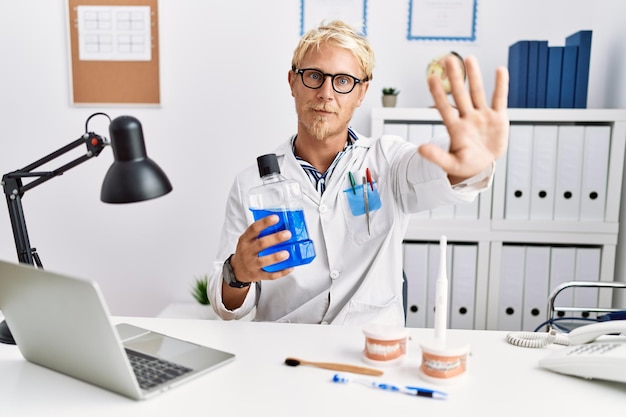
x=363, y=212
x=362, y=200
x=390, y=312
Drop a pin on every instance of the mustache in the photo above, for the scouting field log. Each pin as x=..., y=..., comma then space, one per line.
x=324, y=107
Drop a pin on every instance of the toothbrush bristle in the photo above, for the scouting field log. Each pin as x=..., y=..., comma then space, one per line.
x=340, y=379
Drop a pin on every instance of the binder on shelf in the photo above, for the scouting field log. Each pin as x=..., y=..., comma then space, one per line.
x=416, y=270
x=563, y=269
x=542, y=188
x=443, y=212
x=399, y=129
x=518, y=172
x=568, y=76
x=597, y=140
x=542, y=73
x=463, y=286
x=496, y=272
x=510, y=303
x=582, y=39
x=536, y=292
x=468, y=211
x=518, y=73
x=553, y=86
x=533, y=67
x=568, y=172
x=419, y=133
x=587, y=269
x=440, y=131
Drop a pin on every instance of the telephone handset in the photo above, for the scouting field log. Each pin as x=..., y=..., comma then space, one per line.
x=590, y=332
x=604, y=359
x=578, y=336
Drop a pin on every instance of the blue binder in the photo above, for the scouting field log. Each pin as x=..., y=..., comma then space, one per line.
x=518, y=73
x=553, y=89
x=582, y=39
x=568, y=76
x=542, y=73
x=533, y=61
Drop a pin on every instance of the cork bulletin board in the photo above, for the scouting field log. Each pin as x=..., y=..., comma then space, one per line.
x=114, y=46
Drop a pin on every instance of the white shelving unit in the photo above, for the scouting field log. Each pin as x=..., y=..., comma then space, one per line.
x=491, y=230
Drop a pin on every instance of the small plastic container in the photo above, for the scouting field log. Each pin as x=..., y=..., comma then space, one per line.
x=384, y=345
x=444, y=363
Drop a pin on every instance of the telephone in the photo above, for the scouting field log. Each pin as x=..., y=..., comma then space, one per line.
x=602, y=359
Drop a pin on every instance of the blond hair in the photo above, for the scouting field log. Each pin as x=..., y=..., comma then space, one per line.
x=339, y=34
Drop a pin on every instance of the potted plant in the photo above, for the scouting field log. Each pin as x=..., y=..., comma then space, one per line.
x=390, y=96
x=199, y=293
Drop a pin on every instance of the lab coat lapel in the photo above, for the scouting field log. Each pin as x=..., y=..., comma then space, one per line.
x=352, y=162
x=290, y=168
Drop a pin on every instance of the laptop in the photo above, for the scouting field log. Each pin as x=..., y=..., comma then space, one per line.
x=63, y=323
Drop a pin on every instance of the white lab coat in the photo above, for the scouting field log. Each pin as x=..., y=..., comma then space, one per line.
x=356, y=277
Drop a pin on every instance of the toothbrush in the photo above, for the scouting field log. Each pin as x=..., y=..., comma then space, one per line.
x=441, y=295
x=416, y=391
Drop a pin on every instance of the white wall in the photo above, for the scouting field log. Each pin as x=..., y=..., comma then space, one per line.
x=215, y=118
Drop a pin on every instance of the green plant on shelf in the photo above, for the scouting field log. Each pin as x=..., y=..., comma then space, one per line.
x=199, y=290
x=390, y=91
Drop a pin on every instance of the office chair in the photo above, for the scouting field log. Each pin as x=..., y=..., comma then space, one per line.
x=558, y=313
x=404, y=294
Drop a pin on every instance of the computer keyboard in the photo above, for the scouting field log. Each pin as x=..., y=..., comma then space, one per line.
x=151, y=371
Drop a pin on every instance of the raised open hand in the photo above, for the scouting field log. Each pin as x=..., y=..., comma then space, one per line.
x=478, y=132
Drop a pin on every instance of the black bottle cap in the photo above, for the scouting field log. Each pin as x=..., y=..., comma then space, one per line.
x=268, y=164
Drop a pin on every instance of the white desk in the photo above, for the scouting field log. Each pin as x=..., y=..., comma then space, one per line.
x=502, y=379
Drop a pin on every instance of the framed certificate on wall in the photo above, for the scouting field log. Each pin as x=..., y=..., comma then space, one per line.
x=313, y=12
x=447, y=20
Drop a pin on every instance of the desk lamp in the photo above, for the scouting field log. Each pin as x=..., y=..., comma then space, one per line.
x=132, y=177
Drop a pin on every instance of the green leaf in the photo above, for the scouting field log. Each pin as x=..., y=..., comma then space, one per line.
x=390, y=91
x=199, y=290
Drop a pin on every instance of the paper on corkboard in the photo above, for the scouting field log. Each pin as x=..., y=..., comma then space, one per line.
x=114, y=46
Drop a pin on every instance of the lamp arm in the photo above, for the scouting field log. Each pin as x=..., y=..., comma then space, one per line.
x=14, y=189
x=25, y=253
x=94, y=143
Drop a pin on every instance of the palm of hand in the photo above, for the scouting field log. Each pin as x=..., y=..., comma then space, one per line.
x=478, y=132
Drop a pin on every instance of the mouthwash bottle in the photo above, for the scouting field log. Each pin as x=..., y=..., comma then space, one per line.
x=282, y=197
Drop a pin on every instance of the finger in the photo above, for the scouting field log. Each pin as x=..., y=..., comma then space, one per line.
x=437, y=91
x=278, y=274
x=439, y=156
x=475, y=81
x=253, y=231
x=457, y=85
x=272, y=239
x=273, y=258
x=247, y=261
x=499, y=102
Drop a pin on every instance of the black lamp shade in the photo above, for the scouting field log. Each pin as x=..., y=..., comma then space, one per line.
x=133, y=176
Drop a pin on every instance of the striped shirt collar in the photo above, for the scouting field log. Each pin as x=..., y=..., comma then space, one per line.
x=319, y=179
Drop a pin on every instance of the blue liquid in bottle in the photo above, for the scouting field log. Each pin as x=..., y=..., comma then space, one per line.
x=300, y=247
x=282, y=197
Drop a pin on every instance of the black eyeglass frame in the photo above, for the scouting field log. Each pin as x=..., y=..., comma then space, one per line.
x=300, y=71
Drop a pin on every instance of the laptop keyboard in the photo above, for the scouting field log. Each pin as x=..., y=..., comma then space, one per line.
x=151, y=371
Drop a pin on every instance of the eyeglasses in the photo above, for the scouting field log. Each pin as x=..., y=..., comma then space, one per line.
x=342, y=83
